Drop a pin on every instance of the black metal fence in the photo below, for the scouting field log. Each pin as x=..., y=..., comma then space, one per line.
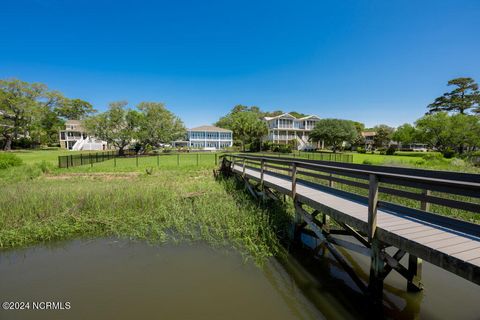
x=81, y=159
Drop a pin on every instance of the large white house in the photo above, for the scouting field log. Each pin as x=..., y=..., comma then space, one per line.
x=285, y=127
x=207, y=138
x=74, y=137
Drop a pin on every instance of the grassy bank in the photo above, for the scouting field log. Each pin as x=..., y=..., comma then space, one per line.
x=183, y=203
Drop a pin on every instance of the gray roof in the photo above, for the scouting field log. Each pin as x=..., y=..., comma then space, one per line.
x=210, y=128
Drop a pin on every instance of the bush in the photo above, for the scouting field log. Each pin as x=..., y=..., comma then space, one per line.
x=448, y=153
x=23, y=143
x=9, y=160
x=366, y=161
x=390, y=151
x=361, y=150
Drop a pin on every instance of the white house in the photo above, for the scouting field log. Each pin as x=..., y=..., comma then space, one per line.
x=74, y=137
x=285, y=127
x=207, y=138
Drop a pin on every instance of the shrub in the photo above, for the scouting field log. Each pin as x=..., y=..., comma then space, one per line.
x=448, y=153
x=361, y=150
x=366, y=161
x=9, y=160
x=390, y=151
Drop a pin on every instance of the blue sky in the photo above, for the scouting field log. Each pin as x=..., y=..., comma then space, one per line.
x=370, y=61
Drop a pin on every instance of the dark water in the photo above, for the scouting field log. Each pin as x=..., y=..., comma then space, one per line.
x=109, y=279
x=112, y=279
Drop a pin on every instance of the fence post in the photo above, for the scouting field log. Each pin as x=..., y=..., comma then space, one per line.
x=67, y=161
x=178, y=159
x=96, y=156
x=372, y=205
x=71, y=160
x=81, y=159
x=294, y=181
x=136, y=159
x=216, y=160
x=91, y=161
x=59, y=162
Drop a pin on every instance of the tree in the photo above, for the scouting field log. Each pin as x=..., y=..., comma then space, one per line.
x=158, y=125
x=359, y=140
x=246, y=124
x=247, y=127
x=405, y=134
x=22, y=106
x=334, y=132
x=463, y=97
x=118, y=126
x=74, y=109
x=383, y=135
x=442, y=131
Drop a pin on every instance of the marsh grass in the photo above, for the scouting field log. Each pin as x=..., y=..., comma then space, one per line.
x=179, y=204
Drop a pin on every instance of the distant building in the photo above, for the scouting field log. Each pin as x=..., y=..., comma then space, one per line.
x=369, y=137
x=74, y=137
x=285, y=127
x=207, y=138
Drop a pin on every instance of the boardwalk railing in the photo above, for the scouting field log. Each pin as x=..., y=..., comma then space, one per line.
x=367, y=183
x=410, y=209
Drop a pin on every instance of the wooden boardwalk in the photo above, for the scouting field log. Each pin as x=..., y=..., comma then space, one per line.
x=448, y=243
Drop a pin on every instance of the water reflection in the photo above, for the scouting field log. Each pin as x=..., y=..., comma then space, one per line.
x=109, y=279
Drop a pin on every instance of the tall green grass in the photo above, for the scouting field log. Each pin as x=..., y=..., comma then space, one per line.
x=179, y=204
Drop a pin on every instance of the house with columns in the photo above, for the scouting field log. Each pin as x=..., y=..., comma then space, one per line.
x=207, y=138
x=285, y=127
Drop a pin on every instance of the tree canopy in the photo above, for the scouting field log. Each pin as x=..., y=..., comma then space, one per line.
x=28, y=111
x=406, y=134
x=74, y=109
x=465, y=96
x=149, y=125
x=334, y=132
x=442, y=131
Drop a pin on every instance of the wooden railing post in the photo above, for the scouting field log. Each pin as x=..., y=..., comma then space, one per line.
x=243, y=170
x=294, y=180
x=262, y=171
x=425, y=205
x=372, y=206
